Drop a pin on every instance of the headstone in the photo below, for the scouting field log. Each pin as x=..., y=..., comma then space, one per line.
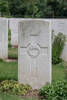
x=13, y=25
x=60, y=25
x=34, y=67
x=3, y=38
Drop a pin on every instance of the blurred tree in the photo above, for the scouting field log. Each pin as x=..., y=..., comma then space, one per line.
x=34, y=8
x=31, y=8
x=44, y=10
x=4, y=9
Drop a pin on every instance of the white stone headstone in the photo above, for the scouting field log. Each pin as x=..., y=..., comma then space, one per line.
x=13, y=25
x=34, y=64
x=3, y=38
x=60, y=25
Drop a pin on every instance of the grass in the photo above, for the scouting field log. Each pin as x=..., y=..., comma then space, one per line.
x=8, y=97
x=58, y=72
x=8, y=70
x=13, y=53
x=9, y=38
x=11, y=97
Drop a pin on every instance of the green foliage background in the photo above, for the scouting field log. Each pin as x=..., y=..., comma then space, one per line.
x=34, y=8
x=55, y=91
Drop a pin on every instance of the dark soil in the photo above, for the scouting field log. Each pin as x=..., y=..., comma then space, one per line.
x=11, y=60
x=33, y=94
x=14, y=46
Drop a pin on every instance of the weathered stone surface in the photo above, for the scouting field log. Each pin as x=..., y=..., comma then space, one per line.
x=13, y=25
x=34, y=64
x=3, y=38
x=59, y=25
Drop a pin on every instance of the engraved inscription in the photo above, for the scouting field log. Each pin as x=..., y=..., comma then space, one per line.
x=35, y=34
x=33, y=51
